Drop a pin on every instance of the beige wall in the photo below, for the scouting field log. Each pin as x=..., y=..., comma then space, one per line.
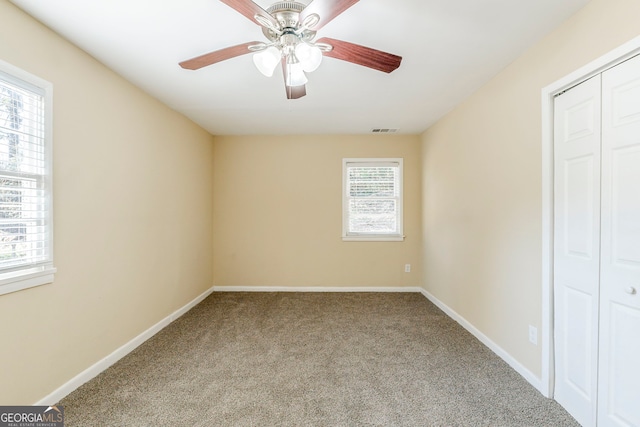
x=133, y=208
x=482, y=183
x=278, y=217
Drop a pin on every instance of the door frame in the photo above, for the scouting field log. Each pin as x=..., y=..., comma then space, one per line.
x=611, y=59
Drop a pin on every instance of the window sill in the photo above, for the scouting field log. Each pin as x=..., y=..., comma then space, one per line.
x=372, y=238
x=24, y=279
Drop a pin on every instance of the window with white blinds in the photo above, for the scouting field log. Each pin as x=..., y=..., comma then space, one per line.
x=25, y=181
x=372, y=199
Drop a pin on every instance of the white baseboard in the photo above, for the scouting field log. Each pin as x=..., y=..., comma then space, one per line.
x=98, y=367
x=313, y=289
x=527, y=374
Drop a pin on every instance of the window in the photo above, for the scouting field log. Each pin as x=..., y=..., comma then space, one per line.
x=26, y=256
x=372, y=199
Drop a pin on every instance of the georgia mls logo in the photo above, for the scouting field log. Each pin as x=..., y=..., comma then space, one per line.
x=54, y=408
x=31, y=416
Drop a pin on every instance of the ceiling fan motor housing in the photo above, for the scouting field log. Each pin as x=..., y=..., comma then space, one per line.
x=287, y=13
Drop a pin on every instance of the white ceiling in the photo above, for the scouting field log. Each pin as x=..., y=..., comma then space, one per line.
x=449, y=47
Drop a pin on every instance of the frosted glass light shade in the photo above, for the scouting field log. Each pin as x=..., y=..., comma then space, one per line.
x=295, y=75
x=267, y=60
x=309, y=56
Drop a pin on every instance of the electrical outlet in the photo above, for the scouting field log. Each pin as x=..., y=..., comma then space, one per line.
x=407, y=268
x=533, y=335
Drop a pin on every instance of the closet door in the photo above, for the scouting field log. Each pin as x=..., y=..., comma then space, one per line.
x=619, y=377
x=577, y=248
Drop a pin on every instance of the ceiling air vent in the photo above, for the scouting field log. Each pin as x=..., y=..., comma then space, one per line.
x=384, y=130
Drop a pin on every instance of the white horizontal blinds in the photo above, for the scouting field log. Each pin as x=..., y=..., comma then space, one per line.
x=24, y=233
x=373, y=197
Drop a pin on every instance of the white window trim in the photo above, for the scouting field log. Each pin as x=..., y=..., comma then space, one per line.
x=370, y=237
x=42, y=274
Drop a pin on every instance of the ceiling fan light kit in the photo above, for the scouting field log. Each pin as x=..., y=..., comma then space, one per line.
x=267, y=60
x=309, y=56
x=294, y=75
x=290, y=28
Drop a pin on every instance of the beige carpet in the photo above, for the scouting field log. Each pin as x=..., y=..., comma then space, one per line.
x=312, y=359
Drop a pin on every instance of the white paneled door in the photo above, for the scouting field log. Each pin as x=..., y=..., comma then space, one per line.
x=597, y=248
x=577, y=247
x=619, y=365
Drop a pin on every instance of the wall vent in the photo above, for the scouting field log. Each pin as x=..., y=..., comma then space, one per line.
x=384, y=130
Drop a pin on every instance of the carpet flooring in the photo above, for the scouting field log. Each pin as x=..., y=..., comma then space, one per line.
x=312, y=359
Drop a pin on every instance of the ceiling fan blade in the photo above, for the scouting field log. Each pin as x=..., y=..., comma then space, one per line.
x=249, y=9
x=217, y=56
x=295, y=92
x=361, y=55
x=326, y=9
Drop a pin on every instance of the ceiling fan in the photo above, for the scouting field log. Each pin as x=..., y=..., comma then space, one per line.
x=290, y=27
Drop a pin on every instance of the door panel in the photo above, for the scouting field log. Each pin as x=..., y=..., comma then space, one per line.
x=576, y=247
x=578, y=322
x=579, y=207
x=619, y=374
x=625, y=205
x=620, y=403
